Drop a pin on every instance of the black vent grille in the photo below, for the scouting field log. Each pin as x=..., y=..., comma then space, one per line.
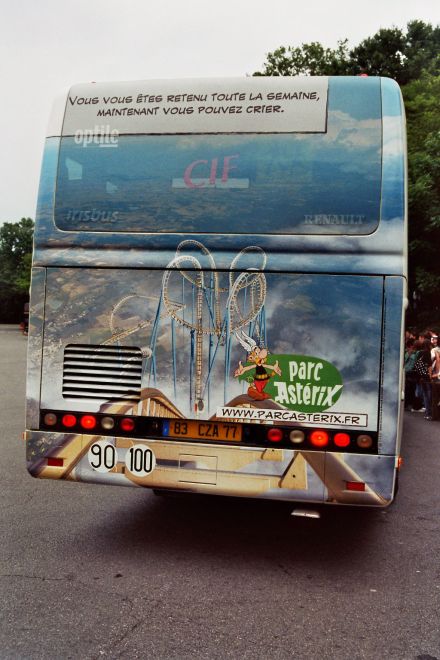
x=102, y=372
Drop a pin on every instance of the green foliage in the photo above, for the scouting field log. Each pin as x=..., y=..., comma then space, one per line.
x=421, y=98
x=23, y=277
x=412, y=57
x=422, y=49
x=390, y=52
x=423, y=121
x=310, y=59
x=15, y=267
x=380, y=55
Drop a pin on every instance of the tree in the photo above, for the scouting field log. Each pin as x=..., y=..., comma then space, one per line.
x=15, y=267
x=422, y=48
x=423, y=117
x=309, y=59
x=412, y=58
x=380, y=55
x=391, y=52
x=399, y=55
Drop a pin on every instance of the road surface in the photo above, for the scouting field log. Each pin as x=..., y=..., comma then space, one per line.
x=110, y=572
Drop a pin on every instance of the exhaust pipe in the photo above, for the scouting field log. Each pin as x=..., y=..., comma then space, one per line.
x=305, y=513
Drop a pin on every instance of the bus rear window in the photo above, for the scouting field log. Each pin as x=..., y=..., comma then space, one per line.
x=224, y=184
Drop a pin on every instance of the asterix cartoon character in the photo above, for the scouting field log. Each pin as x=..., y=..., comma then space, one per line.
x=258, y=357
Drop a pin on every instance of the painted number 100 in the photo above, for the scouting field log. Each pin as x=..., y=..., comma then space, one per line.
x=140, y=460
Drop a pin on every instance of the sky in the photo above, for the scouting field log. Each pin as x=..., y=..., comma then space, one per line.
x=47, y=46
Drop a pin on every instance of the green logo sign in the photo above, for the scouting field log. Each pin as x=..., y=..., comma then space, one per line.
x=306, y=384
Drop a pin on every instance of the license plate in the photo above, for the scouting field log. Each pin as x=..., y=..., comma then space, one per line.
x=202, y=430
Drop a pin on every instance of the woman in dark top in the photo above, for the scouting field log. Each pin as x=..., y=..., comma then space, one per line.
x=424, y=371
x=411, y=378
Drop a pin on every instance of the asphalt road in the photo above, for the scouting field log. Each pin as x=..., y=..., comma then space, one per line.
x=110, y=572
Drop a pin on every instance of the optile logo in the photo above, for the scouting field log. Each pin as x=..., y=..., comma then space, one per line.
x=102, y=135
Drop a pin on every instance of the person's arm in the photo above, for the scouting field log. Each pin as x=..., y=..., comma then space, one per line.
x=437, y=362
x=242, y=370
x=274, y=367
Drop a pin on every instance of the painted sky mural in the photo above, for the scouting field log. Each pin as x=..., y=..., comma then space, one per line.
x=251, y=278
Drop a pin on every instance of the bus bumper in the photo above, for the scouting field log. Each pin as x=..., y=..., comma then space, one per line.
x=269, y=473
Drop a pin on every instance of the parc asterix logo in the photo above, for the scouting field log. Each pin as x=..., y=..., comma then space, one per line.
x=296, y=382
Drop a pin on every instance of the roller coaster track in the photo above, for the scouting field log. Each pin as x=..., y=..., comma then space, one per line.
x=190, y=268
x=216, y=312
x=118, y=335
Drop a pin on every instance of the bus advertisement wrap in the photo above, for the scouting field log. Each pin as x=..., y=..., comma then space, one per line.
x=209, y=311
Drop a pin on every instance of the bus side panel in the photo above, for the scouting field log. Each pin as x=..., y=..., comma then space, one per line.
x=393, y=210
x=392, y=366
x=35, y=347
x=44, y=220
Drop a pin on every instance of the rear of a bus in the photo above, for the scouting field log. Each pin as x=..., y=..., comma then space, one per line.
x=218, y=288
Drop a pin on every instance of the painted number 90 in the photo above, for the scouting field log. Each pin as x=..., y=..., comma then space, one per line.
x=102, y=456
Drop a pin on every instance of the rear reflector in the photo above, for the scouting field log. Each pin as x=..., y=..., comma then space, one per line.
x=53, y=461
x=355, y=485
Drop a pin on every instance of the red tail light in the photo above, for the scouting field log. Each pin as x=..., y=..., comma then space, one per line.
x=341, y=439
x=69, y=420
x=127, y=424
x=88, y=422
x=50, y=419
x=275, y=435
x=364, y=441
x=319, y=438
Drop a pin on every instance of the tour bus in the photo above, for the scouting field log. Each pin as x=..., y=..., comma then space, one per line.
x=218, y=288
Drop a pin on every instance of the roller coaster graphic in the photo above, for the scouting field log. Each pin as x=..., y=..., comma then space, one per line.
x=213, y=311
x=210, y=309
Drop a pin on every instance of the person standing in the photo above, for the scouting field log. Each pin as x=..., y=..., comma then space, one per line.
x=435, y=356
x=423, y=368
x=411, y=378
